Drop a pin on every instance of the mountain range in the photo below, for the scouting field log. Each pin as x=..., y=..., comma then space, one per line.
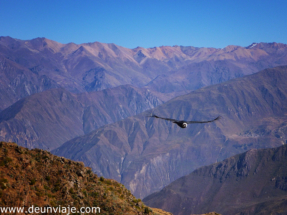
x=31, y=66
x=87, y=102
x=254, y=182
x=146, y=154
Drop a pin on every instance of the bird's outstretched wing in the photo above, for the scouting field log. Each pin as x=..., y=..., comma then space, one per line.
x=155, y=116
x=189, y=122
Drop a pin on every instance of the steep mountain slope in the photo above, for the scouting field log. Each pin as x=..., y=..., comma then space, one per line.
x=147, y=154
x=31, y=66
x=37, y=178
x=17, y=82
x=250, y=183
x=48, y=119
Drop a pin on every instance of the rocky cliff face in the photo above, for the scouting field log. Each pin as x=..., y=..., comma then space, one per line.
x=39, y=179
x=147, y=154
x=16, y=82
x=250, y=183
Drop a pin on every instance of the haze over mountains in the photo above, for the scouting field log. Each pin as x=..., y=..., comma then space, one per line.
x=48, y=119
x=32, y=66
x=52, y=93
x=254, y=182
x=146, y=154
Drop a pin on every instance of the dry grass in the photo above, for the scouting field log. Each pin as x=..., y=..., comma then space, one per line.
x=36, y=177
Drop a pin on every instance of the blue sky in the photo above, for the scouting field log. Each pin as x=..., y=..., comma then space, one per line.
x=145, y=23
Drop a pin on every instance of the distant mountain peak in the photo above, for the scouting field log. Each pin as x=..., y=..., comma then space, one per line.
x=251, y=46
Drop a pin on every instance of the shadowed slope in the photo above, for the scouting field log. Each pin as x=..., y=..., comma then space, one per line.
x=48, y=119
x=249, y=183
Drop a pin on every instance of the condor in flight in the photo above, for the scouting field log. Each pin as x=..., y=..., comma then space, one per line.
x=182, y=123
